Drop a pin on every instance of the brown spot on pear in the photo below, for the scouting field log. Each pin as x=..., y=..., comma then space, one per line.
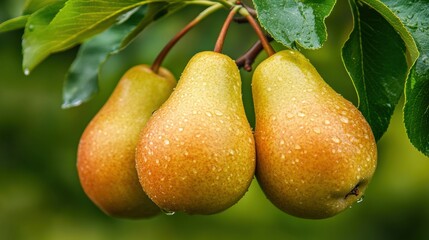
x=315, y=151
x=196, y=154
x=106, y=153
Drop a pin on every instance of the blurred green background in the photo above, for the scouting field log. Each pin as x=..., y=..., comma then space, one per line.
x=40, y=194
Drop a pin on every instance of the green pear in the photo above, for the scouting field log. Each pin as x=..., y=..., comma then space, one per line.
x=197, y=154
x=315, y=151
x=106, y=153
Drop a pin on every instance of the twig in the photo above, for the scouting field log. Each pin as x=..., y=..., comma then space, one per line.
x=248, y=58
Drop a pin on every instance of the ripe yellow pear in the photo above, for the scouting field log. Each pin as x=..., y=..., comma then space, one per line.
x=196, y=154
x=315, y=151
x=106, y=153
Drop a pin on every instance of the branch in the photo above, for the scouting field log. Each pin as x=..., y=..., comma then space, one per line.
x=248, y=58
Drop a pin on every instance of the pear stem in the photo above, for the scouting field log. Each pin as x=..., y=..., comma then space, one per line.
x=224, y=30
x=264, y=41
x=161, y=56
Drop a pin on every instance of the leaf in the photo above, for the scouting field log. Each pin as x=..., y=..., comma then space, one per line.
x=81, y=82
x=397, y=24
x=75, y=22
x=13, y=24
x=290, y=21
x=375, y=58
x=415, y=16
x=32, y=6
x=37, y=23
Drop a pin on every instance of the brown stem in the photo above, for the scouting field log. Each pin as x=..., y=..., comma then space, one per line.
x=224, y=30
x=161, y=56
x=270, y=51
x=243, y=19
x=248, y=58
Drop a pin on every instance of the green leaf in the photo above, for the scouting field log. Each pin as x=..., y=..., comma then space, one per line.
x=375, y=58
x=291, y=21
x=32, y=6
x=397, y=24
x=37, y=24
x=81, y=82
x=415, y=16
x=76, y=21
x=13, y=24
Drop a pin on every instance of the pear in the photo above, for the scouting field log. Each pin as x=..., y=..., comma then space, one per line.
x=197, y=154
x=106, y=152
x=315, y=151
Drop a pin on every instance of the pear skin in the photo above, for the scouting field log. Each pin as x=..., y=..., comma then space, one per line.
x=106, y=152
x=315, y=151
x=196, y=154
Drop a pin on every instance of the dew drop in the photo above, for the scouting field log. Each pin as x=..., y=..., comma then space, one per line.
x=219, y=113
x=335, y=140
x=360, y=199
x=180, y=129
x=209, y=114
x=168, y=213
x=327, y=122
x=282, y=142
x=166, y=142
x=344, y=120
x=231, y=152
x=316, y=130
x=301, y=114
x=26, y=72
